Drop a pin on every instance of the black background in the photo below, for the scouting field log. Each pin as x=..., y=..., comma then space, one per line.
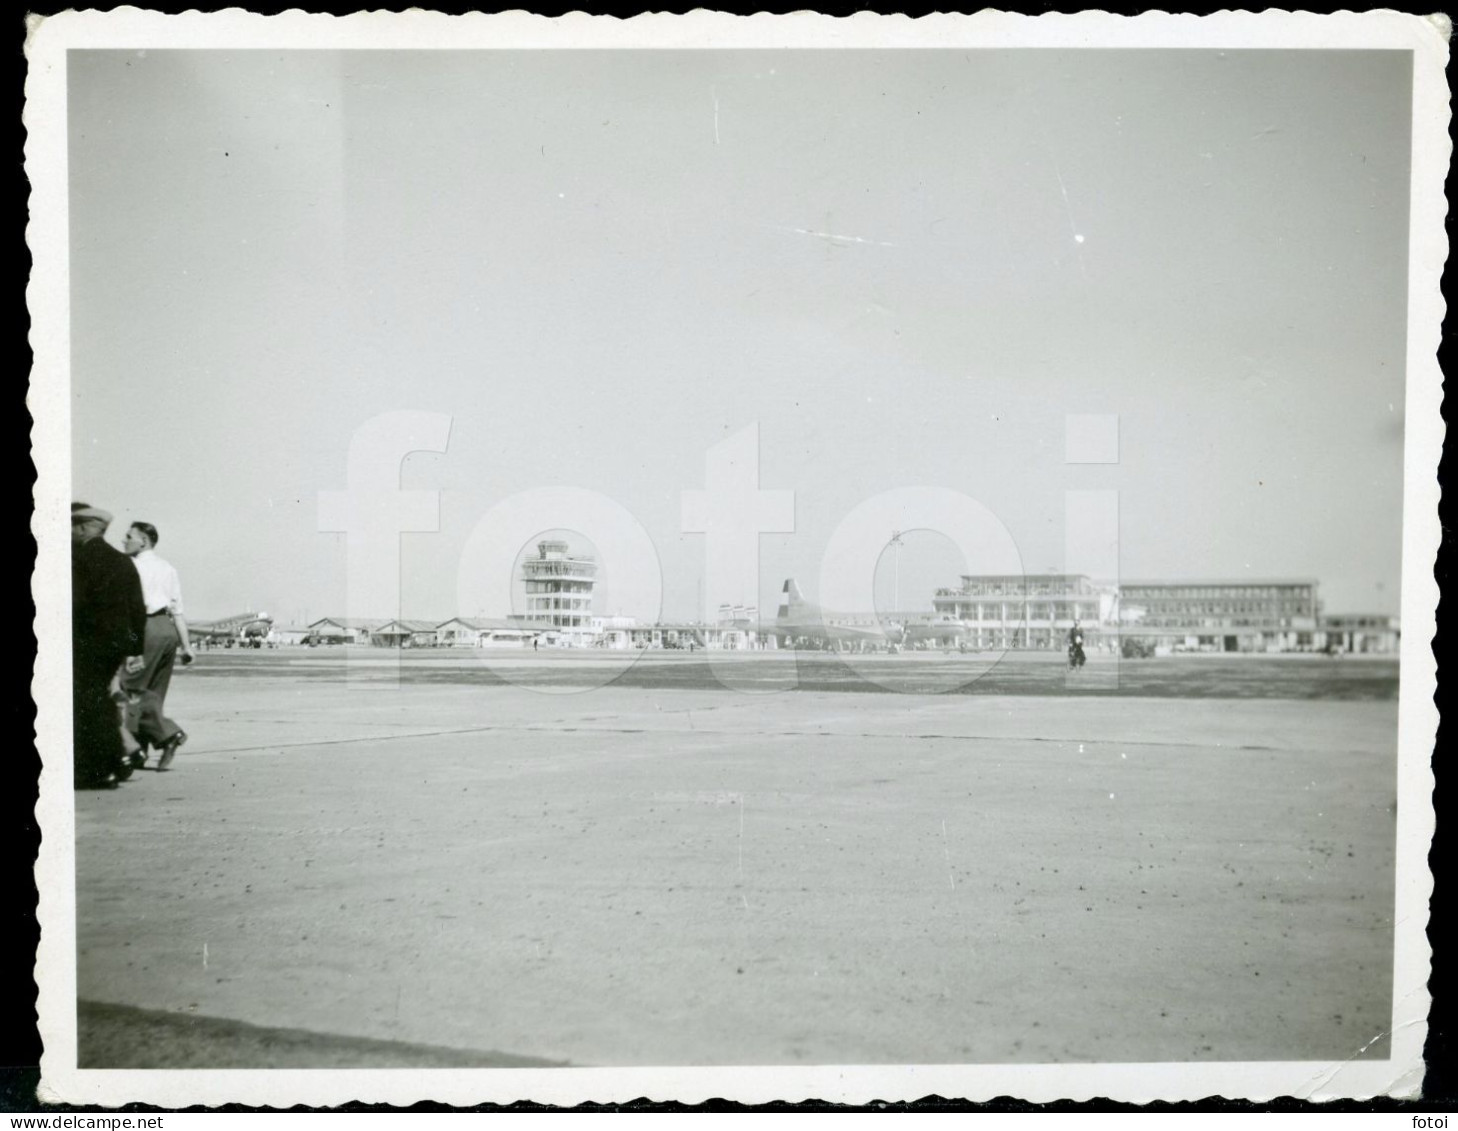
x=20, y=1044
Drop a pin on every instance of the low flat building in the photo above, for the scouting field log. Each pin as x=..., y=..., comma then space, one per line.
x=614, y=632
x=1369, y=633
x=288, y=634
x=405, y=634
x=680, y=635
x=692, y=636
x=486, y=632
x=343, y=630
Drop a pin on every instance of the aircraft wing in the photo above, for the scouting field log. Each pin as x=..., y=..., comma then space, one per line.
x=210, y=630
x=936, y=630
x=814, y=629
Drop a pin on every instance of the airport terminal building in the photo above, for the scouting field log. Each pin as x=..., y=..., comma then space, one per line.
x=1260, y=615
x=1011, y=611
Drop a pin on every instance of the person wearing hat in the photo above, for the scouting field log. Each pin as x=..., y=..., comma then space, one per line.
x=108, y=625
x=166, y=631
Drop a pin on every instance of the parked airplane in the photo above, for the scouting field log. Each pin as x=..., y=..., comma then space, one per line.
x=246, y=628
x=943, y=630
x=801, y=620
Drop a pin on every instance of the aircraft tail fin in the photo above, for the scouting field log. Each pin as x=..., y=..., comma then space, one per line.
x=791, y=600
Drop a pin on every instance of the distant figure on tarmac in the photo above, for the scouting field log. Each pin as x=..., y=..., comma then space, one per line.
x=108, y=623
x=1076, y=657
x=166, y=634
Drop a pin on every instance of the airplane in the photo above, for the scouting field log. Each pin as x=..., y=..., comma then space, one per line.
x=944, y=630
x=799, y=619
x=245, y=628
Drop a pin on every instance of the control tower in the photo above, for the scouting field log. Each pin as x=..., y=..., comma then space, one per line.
x=559, y=588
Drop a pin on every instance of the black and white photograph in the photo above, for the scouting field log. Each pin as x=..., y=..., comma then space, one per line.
x=765, y=558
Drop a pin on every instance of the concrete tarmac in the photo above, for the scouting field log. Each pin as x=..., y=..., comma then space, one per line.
x=639, y=875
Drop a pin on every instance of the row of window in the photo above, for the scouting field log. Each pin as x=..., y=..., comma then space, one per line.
x=1282, y=625
x=537, y=568
x=1066, y=612
x=1232, y=592
x=992, y=589
x=1216, y=622
x=1270, y=609
x=559, y=587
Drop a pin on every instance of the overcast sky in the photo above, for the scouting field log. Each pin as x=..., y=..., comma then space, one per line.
x=907, y=267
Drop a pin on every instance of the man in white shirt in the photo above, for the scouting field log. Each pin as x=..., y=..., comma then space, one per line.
x=166, y=633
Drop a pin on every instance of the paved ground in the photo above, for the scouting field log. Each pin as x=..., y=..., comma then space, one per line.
x=681, y=874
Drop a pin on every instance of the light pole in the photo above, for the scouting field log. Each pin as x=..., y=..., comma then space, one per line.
x=896, y=544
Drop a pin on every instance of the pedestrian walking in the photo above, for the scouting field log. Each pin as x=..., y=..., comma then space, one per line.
x=108, y=624
x=165, y=636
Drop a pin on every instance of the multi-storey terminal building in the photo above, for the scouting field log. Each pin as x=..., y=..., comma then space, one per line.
x=1221, y=616
x=1003, y=611
x=559, y=587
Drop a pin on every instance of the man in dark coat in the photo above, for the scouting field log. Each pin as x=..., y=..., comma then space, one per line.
x=1076, y=657
x=108, y=623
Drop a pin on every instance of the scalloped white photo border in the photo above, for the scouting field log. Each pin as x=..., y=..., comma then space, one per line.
x=46, y=165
